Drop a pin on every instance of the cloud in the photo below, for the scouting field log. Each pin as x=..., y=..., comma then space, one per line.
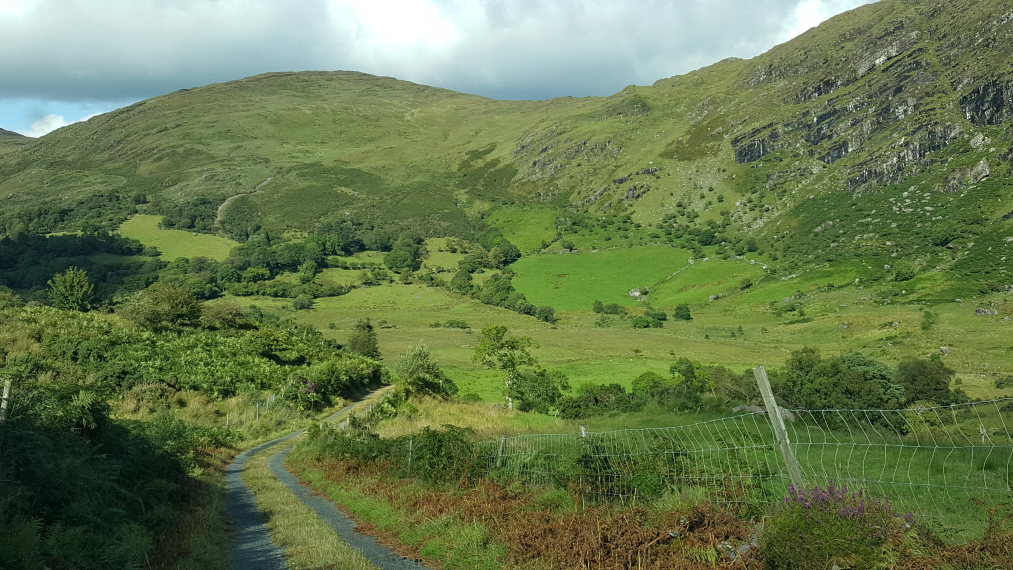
x=809, y=13
x=46, y=125
x=75, y=50
x=51, y=122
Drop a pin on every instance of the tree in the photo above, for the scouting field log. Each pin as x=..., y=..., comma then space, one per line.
x=165, y=305
x=405, y=256
x=537, y=390
x=545, y=313
x=498, y=351
x=307, y=271
x=420, y=374
x=71, y=290
x=927, y=380
x=364, y=339
x=682, y=313
x=462, y=282
x=852, y=380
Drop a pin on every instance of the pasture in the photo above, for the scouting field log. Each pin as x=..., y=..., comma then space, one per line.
x=175, y=244
x=569, y=281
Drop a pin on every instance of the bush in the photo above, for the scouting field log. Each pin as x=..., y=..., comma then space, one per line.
x=597, y=399
x=545, y=313
x=420, y=374
x=164, y=306
x=613, y=309
x=642, y=322
x=682, y=313
x=830, y=526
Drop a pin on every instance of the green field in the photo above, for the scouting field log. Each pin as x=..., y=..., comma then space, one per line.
x=730, y=331
x=576, y=280
x=527, y=228
x=175, y=243
x=697, y=282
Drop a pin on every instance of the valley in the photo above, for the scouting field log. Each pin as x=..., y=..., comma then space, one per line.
x=582, y=314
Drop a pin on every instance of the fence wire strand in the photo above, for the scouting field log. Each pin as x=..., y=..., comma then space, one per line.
x=928, y=461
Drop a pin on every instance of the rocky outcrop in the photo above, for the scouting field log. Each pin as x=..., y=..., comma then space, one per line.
x=891, y=165
x=990, y=103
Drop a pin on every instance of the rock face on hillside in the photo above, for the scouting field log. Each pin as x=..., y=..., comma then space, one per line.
x=886, y=133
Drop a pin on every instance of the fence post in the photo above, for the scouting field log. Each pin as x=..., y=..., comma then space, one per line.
x=777, y=423
x=411, y=448
x=6, y=402
x=499, y=454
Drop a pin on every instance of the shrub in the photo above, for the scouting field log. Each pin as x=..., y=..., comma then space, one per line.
x=164, y=306
x=71, y=290
x=830, y=526
x=545, y=313
x=682, y=313
x=420, y=374
x=613, y=309
x=363, y=339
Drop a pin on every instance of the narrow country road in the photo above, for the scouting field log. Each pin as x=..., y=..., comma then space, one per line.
x=252, y=546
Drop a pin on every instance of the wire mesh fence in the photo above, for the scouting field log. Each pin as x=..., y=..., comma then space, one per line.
x=934, y=462
x=930, y=461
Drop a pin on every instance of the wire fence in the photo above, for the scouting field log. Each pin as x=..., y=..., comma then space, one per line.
x=934, y=462
x=931, y=462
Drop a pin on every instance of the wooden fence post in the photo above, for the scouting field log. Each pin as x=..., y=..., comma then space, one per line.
x=499, y=454
x=411, y=449
x=777, y=423
x=6, y=402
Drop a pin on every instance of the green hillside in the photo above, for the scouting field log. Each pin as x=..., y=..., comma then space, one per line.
x=882, y=133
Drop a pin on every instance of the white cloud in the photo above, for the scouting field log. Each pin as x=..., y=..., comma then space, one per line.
x=88, y=51
x=46, y=125
x=810, y=13
x=51, y=122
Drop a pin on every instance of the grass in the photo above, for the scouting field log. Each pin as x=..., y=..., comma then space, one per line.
x=575, y=281
x=333, y=275
x=199, y=540
x=525, y=227
x=739, y=331
x=696, y=283
x=439, y=257
x=450, y=543
x=309, y=542
x=175, y=244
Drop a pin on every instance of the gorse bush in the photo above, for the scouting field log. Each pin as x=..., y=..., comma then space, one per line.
x=830, y=526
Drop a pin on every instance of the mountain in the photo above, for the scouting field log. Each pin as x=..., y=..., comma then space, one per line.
x=884, y=135
x=10, y=140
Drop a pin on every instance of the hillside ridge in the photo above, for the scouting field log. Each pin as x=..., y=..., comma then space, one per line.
x=893, y=119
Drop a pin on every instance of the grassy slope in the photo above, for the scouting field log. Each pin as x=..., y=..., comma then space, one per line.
x=575, y=281
x=739, y=330
x=175, y=243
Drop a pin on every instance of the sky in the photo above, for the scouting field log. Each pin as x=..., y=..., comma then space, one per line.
x=63, y=61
